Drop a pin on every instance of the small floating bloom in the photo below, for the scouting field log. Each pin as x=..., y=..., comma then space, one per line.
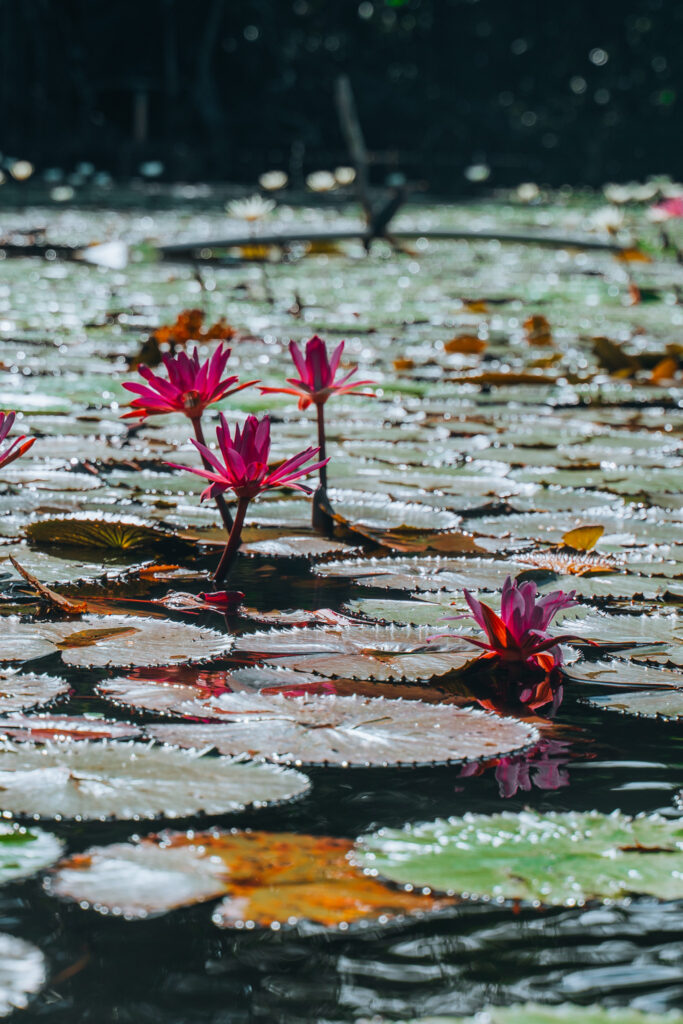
x=251, y=209
x=316, y=382
x=18, y=446
x=667, y=209
x=190, y=388
x=519, y=633
x=243, y=467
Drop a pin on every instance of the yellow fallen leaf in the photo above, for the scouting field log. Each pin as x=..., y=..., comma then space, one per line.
x=633, y=255
x=664, y=370
x=404, y=364
x=583, y=538
x=90, y=637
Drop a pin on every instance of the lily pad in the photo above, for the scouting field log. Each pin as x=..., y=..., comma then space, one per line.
x=561, y=859
x=100, y=530
x=24, y=852
x=382, y=653
x=44, y=728
x=426, y=573
x=348, y=731
x=99, y=641
x=23, y=972
x=99, y=780
x=663, y=704
x=536, y=1013
x=21, y=692
x=295, y=547
x=619, y=673
x=271, y=880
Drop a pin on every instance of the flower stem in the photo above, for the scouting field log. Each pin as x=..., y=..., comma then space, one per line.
x=321, y=518
x=219, y=499
x=232, y=547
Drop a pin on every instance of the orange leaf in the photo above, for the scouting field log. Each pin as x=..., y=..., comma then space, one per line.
x=89, y=637
x=537, y=330
x=465, y=344
x=404, y=364
x=665, y=369
x=633, y=255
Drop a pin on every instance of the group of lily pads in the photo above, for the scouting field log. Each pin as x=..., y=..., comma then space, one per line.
x=418, y=570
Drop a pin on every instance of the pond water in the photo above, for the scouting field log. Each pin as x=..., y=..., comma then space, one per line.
x=522, y=392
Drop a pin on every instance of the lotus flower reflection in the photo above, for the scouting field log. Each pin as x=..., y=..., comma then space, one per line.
x=241, y=466
x=18, y=447
x=519, y=634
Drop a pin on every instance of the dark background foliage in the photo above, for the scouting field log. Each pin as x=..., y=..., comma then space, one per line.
x=578, y=92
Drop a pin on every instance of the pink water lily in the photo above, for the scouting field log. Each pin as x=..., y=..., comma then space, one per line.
x=667, y=209
x=243, y=463
x=19, y=446
x=191, y=386
x=316, y=381
x=519, y=634
x=241, y=466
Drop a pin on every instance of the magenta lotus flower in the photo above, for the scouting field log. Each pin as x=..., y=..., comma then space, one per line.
x=19, y=446
x=243, y=469
x=519, y=633
x=190, y=388
x=316, y=381
x=243, y=466
x=667, y=209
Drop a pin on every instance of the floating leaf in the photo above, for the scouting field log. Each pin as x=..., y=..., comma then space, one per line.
x=583, y=538
x=112, y=640
x=537, y=1013
x=43, y=728
x=22, y=692
x=428, y=573
x=360, y=652
x=271, y=879
x=664, y=704
x=24, y=852
x=349, y=731
x=23, y=972
x=98, y=780
x=624, y=674
x=558, y=859
x=100, y=530
x=414, y=539
x=465, y=344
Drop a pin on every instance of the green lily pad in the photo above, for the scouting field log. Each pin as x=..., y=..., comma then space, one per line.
x=535, y=1013
x=23, y=972
x=100, y=530
x=558, y=859
x=23, y=852
x=664, y=704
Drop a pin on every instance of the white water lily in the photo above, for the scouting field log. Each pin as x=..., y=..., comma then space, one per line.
x=617, y=194
x=321, y=181
x=271, y=181
x=528, y=191
x=345, y=175
x=250, y=209
x=607, y=218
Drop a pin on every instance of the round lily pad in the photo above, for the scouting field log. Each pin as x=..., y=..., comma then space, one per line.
x=374, y=652
x=348, y=731
x=558, y=859
x=99, y=530
x=536, y=1013
x=42, y=728
x=23, y=972
x=425, y=573
x=619, y=673
x=100, y=641
x=25, y=851
x=99, y=780
x=664, y=704
x=20, y=692
x=269, y=879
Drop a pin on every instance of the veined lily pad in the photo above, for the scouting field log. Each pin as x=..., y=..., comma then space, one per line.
x=349, y=731
x=271, y=880
x=664, y=704
x=98, y=780
x=536, y=1013
x=44, y=728
x=407, y=613
x=424, y=573
x=23, y=852
x=295, y=547
x=98, y=641
x=619, y=673
x=382, y=653
x=100, y=530
x=23, y=972
x=558, y=859
x=22, y=692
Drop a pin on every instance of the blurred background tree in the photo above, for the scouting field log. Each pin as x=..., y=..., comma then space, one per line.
x=452, y=91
